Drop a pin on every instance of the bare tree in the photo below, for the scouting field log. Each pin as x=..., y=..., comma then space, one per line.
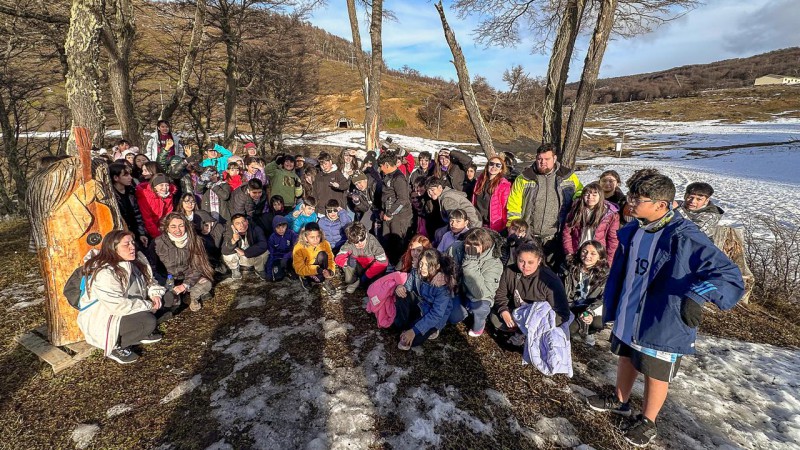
x=118, y=32
x=370, y=73
x=464, y=84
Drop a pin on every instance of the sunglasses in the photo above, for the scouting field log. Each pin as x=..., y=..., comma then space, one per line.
x=331, y=211
x=498, y=165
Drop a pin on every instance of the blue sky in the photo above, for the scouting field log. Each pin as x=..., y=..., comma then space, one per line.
x=716, y=30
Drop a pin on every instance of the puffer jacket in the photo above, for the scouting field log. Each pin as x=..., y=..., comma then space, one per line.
x=547, y=345
x=685, y=265
x=381, y=297
x=451, y=199
x=152, y=149
x=280, y=247
x=303, y=257
x=176, y=260
x=242, y=203
x=525, y=187
x=480, y=276
x=99, y=321
x=498, y=214
x=154, y=208
x=220, y=162
x=223, y=192
x=435, y=301
x=605, y=233
x=297, y=223
x=334, y=230
x=706, y=218
x=372, y=256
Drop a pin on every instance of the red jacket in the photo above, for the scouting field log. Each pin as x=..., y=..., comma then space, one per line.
x=154, y=208
x=498, y=213
x=407, y=167
x=606, y=232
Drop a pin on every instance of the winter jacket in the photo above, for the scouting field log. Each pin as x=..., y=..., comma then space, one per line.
x=362, y=203
x=334, y=230
x=235, y=182
x=521, y=201
x=435, y=301
x=152, y=149
x=176, y=260
x=257, y=243
x=542, y=285
x=242, y=203
x=408, y=165
x=304, y=255
x=480, y=275
x=451, y=199
x=605, y=233
x=213, y=240
x=100, y=321
x=372, y=257
x=323, y=191
x=220, y=162
x=280, y=247
x=498, y=214
x=547, y=345
x=154, y=208
x=285, y=183
x=223, y=192
x=381, y=297
x=396, y=195
x=418, y=173
x=297, y=223
x=456, y=173
x=448, y=238
x=706, y=218
x=129, y=209
x=685, y=265
x=592, y=298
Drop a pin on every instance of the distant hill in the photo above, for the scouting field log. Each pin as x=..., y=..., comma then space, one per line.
x=688, y=80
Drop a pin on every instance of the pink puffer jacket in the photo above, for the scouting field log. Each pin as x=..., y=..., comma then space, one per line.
x=381, y=297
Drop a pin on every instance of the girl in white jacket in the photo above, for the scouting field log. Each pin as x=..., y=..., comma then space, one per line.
x=117, y=308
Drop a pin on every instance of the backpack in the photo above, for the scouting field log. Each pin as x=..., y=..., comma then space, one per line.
x=74, y=289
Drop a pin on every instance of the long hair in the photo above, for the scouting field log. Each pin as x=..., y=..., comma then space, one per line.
x=439, y=263
x=484, y=182
x=198, y=258
x=407, y=261
x=436, y=170
x=582, y=215
x=184, y=197
x=108, y=256
x=598, y=272
x=152, y=167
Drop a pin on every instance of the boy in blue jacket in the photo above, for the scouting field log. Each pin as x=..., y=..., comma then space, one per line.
x=304, y=212
x=281, y=243
x=664, y=270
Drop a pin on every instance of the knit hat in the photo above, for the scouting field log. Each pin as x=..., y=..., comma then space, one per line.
x=444, y=152
x=157, y=179
x=358, y=176
x=249, y=145
x=127, y=152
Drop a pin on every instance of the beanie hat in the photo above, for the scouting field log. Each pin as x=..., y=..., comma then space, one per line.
x=358, y=176
x=128, y=152
x=444, y=152
x=249, y=145
x=157, y=179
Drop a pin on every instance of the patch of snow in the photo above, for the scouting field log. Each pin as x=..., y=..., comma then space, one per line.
x=183, y=388
x=25, y=304
x=557, y=430
x=250, y=301
x=333, y=328
x=26, y=293
x=220, y=445
x=382, y=378
x=116, y=410
x=83, y=434
x=498, y=398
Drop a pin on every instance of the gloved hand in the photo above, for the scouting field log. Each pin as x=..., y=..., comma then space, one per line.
x=512, y=240
x=691, y=313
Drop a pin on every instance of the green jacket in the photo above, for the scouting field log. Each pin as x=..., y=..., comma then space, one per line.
x=283, y=182
x=524, y=190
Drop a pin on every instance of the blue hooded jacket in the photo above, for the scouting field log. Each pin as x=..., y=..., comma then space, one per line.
x=280, y=247
x=334, y=231
x=686, y=265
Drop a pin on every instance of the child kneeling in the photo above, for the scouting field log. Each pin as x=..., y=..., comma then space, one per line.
x=361, y=258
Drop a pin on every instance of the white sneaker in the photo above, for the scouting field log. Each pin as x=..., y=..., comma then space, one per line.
x=434, y=336
x=590, y=340
x=351, y=288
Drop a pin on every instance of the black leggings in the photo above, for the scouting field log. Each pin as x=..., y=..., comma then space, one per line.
x=322, y=264
x=407, y=314
x=135, y=327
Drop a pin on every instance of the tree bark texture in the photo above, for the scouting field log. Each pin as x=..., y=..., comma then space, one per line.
x=370, y=76
x=82, y=47
x=465, y=85
x=188, y=62
x=591, y=68
x=232, y=45
x=118, y=40
x=558, y=70
x=70, y=208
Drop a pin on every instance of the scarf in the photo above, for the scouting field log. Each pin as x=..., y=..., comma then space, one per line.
x=164, y=195
x=652, y=227
x=179, y=242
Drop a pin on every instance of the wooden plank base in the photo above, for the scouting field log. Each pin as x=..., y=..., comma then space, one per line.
x=59, y=358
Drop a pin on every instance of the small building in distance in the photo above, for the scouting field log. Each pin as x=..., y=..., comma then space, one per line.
x=776, y=79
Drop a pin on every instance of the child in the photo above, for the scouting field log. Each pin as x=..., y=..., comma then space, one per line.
x=591, y=218
x=585, y=282
x=361, y=258
x=312, y=259
x=425, y=302
x=697, y=207
x=517, y=235
x=459, y=225
x=281, y=242
x=304, y=212
x=233, y=175
x=333, y=223
x=664, y=271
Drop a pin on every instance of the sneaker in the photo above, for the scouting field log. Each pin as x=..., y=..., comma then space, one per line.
x=590, y=340
x=152, y=338
x=262, y=275
x=404, y=347
x=195, y=305
x=434, y=336
x=351, y=288
x=642, y=433
x=236, y=274
x=123, y=355
x=475, y=333
x=606, y=402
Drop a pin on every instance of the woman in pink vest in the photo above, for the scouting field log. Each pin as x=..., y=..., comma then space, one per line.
x=491, y=194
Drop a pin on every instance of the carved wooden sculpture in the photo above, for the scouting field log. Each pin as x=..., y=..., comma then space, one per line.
x=70, y=207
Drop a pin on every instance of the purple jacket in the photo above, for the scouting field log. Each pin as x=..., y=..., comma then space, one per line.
x=547, y=346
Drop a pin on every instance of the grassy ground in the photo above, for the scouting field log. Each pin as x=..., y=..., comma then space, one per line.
x=40, y=410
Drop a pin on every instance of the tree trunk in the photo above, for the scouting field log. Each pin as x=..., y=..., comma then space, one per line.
x=558, y=70
x=370, y=76
x=118, y=40
x=188, y=62
x=465, y=85
x=591, y=68
x=231, y=91
x=82, y=47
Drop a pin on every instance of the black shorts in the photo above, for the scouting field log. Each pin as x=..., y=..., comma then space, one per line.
x=648, y=365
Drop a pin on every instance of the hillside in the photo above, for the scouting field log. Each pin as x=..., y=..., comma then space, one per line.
x=688, y=80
